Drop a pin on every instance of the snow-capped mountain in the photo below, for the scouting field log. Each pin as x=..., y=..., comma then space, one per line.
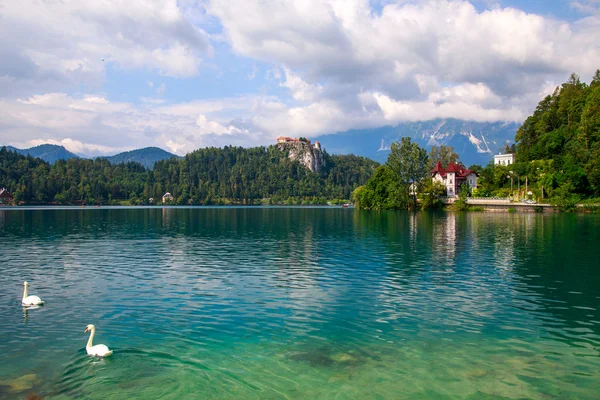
x=475, y=142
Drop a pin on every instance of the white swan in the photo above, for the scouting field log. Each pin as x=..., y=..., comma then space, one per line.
x=30, y=300
x=99, y=350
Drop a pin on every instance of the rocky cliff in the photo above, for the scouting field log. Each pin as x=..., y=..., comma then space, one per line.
x=308, y=155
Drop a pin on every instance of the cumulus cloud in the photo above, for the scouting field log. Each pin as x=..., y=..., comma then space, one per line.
x=415, y=60
x=586, y=6
x=299, y=89
x=60, y=44
x=330, y=65
x=93, y=125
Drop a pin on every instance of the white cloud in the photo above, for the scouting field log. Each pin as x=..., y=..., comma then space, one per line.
x=444, y=55
x=299, y=89
x=340, y=64
x=93, y=125
x=60, y=44
x=207, y=126
x=397, y=111
x=586, y=6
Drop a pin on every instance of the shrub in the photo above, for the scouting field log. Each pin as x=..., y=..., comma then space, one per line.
x=564, y=199
x=501, y=193
x=592, y=208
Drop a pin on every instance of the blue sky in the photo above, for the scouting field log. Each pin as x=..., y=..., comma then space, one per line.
x=103, y=77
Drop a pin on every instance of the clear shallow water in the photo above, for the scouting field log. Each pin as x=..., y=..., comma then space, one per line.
x=276, y=303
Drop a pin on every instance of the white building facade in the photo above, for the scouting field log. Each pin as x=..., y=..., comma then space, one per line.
x=453, y=177
x=504, y=159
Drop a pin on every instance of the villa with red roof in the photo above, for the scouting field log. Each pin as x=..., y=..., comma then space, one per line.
x=453, y=177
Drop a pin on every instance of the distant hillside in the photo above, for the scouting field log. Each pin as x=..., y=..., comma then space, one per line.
x=146, y=156
x=206, y=176
x=475, y=142
x=47, y=152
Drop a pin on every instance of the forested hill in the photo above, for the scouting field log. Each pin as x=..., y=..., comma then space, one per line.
x=147, y=156
x=47, y=152
x=559, y=145
x=205, y=176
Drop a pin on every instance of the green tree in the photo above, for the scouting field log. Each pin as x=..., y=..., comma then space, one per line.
x=382, y=192
x=444, y=154
x=431, y=194
x=409, y=163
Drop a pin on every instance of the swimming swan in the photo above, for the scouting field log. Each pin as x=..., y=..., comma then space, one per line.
x=99, y=350
x=30, y=300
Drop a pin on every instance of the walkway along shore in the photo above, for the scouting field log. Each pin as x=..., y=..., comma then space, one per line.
x=503, y=205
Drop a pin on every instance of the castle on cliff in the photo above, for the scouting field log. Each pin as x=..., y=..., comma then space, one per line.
x=309, y=155
x=285, y=139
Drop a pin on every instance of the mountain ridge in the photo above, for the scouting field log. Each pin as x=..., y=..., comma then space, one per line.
x=47, y=152
x=147, y=156
x=475, y=142
x=50, y=153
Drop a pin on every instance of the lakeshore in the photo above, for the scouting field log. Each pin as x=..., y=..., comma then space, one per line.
x=481, y=204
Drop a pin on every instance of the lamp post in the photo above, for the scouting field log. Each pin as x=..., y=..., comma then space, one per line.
x=541, y=180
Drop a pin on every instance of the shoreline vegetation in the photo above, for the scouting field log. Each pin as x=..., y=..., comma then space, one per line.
x=557, y=161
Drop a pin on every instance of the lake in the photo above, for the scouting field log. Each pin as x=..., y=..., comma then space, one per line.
x=300, y=303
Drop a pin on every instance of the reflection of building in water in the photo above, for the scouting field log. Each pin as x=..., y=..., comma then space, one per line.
x=444, y=239
x=167, y=215
x=504, y=246
x=531, y=222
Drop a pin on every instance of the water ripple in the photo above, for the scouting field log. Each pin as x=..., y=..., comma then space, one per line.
x=299, y=303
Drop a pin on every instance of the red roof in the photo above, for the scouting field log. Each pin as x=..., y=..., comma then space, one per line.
x=459, y=170
x=439, y=169
x=453, y=167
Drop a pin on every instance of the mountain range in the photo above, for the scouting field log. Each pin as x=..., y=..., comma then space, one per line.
x=475, y=142
x=51, y=152
x=146, y=156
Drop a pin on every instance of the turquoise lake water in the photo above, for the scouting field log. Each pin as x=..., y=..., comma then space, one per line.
x=300, y=303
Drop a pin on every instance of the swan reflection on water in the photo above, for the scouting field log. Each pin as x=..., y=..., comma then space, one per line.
x=26, y=310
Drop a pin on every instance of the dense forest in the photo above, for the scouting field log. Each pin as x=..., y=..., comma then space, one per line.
x=557, y=149
x=206, y=176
